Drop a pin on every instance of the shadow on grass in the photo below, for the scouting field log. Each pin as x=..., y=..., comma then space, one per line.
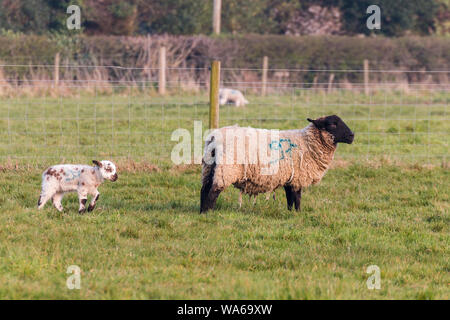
x=171, y=206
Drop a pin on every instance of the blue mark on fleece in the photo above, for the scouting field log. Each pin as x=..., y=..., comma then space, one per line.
x=75, y=175
x=285, y=146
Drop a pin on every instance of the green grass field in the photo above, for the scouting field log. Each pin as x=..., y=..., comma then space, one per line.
x=410, y=128
x=385, y=203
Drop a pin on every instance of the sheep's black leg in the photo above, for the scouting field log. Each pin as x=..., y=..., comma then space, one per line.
x=209, y=202
x=204, y=197
x=205, y=194
x=289, y=196
x=297, y=198
x=212, y=197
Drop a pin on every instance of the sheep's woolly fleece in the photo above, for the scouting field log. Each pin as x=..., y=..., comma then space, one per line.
x=303, y=157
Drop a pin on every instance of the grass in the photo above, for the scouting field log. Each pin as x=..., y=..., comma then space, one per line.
x=409, y=128
x=146, y=240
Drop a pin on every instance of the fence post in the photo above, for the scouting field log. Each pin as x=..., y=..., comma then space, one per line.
x=162, y=71
x=214, y=95
x=264, y=75
x=366, y=76
x=216, y=16
x=149, y=71
x=330, y=82
x=56, y=75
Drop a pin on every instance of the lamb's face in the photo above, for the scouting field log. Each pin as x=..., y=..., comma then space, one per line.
x=336, y=127
x=107, y=169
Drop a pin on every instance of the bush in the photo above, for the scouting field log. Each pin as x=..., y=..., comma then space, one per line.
x=309, y=52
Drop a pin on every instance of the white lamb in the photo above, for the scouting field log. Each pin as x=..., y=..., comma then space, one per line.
x=83, y=179
x=232, y=96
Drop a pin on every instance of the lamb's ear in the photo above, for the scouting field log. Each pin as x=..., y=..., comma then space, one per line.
x=97, y=163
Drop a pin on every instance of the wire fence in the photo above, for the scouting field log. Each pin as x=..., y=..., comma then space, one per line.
x=65, y=119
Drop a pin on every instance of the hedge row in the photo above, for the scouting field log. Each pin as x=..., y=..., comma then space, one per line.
x=407, y=53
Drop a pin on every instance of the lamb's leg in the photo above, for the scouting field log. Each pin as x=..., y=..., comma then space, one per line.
x=57, y=198
x=43, y=198
x=82, y=197
x=289, y=196
x=270, y=194
x=96, y=195
x=297, y=199
x=240, y=199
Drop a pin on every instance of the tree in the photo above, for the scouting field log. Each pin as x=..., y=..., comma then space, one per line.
x=34, y=16
x=31, y=16
x=397, y=17
x=443, y=17
x=110, y=17
x=174, y=16
x=128, y=17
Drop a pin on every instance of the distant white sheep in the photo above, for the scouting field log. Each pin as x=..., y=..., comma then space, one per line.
x=83, y=179
x=232, y=96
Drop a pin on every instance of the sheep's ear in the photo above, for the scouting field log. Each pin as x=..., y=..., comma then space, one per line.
x=97, y=163
x=318, y=123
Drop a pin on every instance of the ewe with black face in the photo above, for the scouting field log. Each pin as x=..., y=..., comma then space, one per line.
x=302, y=157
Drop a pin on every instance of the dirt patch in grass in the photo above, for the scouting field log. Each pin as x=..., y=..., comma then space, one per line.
x=133, y=166
x=186, y=168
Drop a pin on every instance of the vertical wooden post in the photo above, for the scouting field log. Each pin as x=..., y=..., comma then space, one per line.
x=162, y=71
x=330, y=82
x=149, y=71
x=264, y=75
x=366, y=76
x=214, y=95
x=315, y=79
x=56, y=75
x=216, y=16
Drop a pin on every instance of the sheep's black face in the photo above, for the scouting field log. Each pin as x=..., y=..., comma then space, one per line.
x=336, y=127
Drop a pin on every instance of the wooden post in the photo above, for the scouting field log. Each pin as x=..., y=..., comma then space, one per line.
x=330, y=82
x=264, y=75
x=366, y=76
x=56, y=75
x=214, y=95
x=149, y=71
x=315, y=79
x=162, y=71
x=216, y=16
